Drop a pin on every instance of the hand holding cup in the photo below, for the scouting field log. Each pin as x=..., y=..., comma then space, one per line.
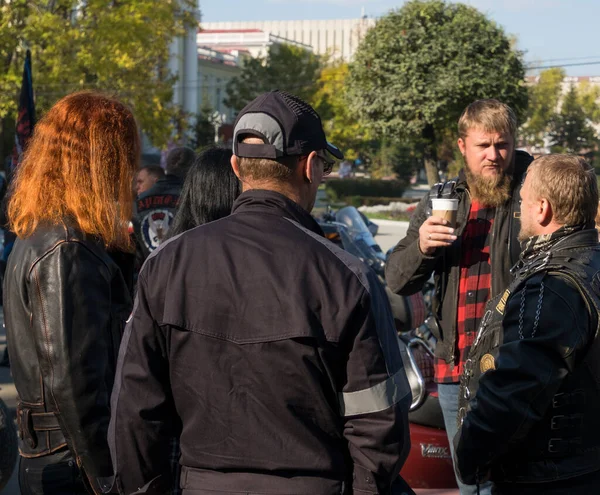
x=439, y=229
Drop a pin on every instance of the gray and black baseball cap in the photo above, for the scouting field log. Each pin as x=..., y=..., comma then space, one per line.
x=287, y=125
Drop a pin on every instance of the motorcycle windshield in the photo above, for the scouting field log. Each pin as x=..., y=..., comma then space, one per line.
x=359, y=231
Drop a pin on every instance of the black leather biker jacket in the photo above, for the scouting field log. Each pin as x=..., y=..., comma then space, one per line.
x=530, y=391
x=66, y=301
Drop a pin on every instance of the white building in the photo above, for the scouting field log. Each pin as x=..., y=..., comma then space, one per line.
x=221, y=55
x=253, y=41
x=339, y=38
x=183, y=62
x=215, y=70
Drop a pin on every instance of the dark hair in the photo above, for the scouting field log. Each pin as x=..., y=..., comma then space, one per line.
x=208, y=193
x=153, y=170
x=179, y=161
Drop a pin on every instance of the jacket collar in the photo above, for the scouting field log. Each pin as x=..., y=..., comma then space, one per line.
x=564, y=238
x=274, y=203
x=171, y=180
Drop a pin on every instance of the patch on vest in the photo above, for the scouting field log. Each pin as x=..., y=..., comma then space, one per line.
x=154, y=227
x=487, y=363
x=501, y=306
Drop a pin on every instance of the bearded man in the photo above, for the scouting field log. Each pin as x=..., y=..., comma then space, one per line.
x=470, y=262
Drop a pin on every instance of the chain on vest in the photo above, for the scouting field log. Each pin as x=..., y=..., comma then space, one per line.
x=580, y=267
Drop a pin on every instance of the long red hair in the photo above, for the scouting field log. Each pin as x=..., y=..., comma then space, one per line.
x=79, y=166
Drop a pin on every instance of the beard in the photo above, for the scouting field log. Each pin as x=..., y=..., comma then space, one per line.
x=490, y=191
x=525, y=232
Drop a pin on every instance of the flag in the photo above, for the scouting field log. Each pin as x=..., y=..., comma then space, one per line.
x=26, y=113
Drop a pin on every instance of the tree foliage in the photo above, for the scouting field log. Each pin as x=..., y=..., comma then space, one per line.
x=571, y=130
x=341, y=125
x=285, y=67
x=544, y=96
x=203, y=132
x=420, y=66
x=588, y=96
x=118, y=47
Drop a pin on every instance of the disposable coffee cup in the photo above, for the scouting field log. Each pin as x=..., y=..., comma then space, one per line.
x=446, y=209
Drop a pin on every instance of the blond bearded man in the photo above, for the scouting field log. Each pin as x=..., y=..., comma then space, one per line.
x=472, y=261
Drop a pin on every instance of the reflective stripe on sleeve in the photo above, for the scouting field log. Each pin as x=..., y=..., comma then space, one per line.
x=376, y=398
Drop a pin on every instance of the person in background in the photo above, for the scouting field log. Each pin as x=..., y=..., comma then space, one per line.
x=208, y=192
x=156, y=207
x=67, y=289
x=147, y=177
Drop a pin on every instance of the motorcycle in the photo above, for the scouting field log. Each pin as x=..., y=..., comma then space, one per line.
x=429, y=464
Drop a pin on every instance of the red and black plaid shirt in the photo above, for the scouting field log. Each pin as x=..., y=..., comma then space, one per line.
x=474, y=288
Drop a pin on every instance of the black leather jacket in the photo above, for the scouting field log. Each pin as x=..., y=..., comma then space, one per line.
x=407, y=269
x=66, y=301
x=155, y=209
x=531, y=385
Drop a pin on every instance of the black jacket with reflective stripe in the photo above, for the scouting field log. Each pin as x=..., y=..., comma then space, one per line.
x=274, y=354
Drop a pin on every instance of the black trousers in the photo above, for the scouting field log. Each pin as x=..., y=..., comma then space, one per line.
x=51, y=474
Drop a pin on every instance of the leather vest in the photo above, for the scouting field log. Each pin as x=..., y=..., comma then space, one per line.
x=560, y=437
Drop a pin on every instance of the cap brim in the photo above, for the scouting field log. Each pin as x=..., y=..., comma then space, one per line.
x=335, y=151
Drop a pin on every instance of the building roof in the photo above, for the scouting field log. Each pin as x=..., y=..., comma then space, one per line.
x=224, y=31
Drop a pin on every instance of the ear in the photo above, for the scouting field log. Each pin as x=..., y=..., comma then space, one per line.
x=235, y=165
x=311, y=167
x=544, y=212
x=462, y=146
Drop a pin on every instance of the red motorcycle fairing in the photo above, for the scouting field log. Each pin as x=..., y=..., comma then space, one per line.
x=429, y=464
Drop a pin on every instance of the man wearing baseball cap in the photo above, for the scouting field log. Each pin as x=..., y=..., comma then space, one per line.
x=268, y=350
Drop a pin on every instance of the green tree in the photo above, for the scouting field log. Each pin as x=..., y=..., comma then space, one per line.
x=588, y=96
x=117, y=47
x=570, y=130
x=401, y=159
x=420, y=66
x=203, y=132
x=543, y=104
x=285, y=67
x=340, y=124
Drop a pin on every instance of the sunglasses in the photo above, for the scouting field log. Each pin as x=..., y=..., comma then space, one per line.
x=327, y=164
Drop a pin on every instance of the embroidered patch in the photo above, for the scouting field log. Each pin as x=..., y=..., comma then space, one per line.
x=155, y=226
x=487, y=363
x=501, y=306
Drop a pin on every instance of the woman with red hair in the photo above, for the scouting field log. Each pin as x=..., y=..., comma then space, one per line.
x=67, y=294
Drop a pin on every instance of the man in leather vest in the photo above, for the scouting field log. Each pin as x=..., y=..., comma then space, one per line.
x=471, y=263
x=530, y=390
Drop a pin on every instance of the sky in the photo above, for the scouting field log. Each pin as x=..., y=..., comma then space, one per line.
x=548, y=31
